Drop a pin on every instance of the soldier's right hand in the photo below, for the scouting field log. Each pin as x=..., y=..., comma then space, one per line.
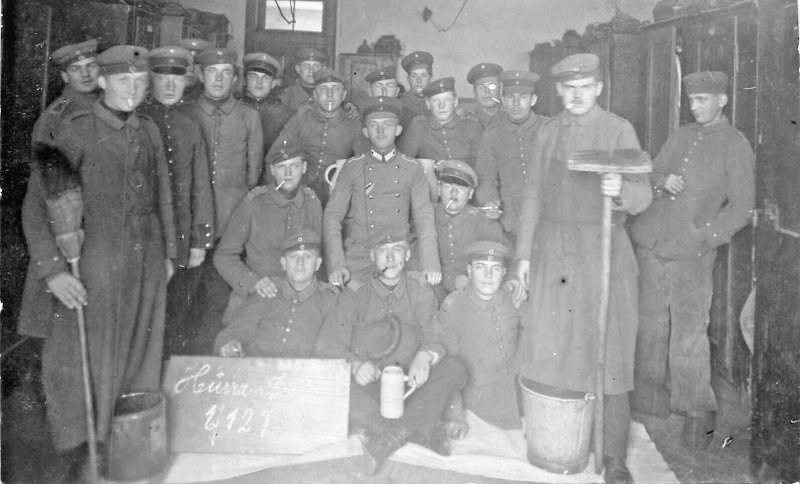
x=339, y=277
x=524, y=273
x=674, y=184
x=492, y=210
x=266, y=288
x=232, y=349
x=366, y=373
x=68, y=289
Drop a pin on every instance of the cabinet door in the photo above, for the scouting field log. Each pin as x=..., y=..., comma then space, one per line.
x=356, y=66
x=663, y=88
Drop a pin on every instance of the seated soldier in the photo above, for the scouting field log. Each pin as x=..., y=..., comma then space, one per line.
x=458, y=224
x=390, y=320
x=481, y=325
x=284, y=326
x=375, y=192
x=248, y=256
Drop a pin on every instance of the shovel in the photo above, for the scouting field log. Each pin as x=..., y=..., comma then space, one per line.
x=622, y=161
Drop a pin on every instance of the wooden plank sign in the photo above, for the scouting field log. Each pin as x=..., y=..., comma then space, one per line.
x=256, y=405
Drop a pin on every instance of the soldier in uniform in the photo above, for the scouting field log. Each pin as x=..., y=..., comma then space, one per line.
x=559, y=257
x=375, y=192
x=704, y=180
x=504, y=155
x=383, y=82
x=441, y=135
x=390, y=320
x=194, y=75
x=234, y=143
x=485, y=81
x=248, y=256
x=260, y=72
x=79, y=71
x=117, y=159
x=419, y=67
x=458, y=224
x=301, y=94
x=286, y=325
x=481, y=326
x=323, y=132
x=192, y=199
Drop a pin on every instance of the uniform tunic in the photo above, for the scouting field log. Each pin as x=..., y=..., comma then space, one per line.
x=413, y=106
x=250, y=249
x=483, y=334
x=483, y=118
x=676, y=266
x=456, y=233
x=285, y=326
x=273, y=113
x=234, y=142
x=376, y=194
x=560, y=230
x=457, y=139
x=68, y=103
x=296, y=97
x=129, y=232
x=504, y=162
x=186, y=155
x=323, y=140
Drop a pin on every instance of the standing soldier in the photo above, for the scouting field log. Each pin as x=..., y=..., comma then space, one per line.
x=192, y=200
x=117, y=159
x=704, y=178
x=323, y=132
x=419, y=67
x=194, y=76
x=485, y=81
x=79, y=70
x=307, y=62
x=504, y=156
x=383, y=82
x=234, y=143
x=560, y=260
x=260, y=72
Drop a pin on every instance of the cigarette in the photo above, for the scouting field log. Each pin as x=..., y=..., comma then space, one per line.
x=494, y=99
x=280, y=185
x=448, y=204
x=130, y=102
x=570, y=106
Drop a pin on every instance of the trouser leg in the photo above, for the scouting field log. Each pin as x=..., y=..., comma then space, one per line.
x=616, y=426
x=180, y=294
x=690, y=350
x=210, y=302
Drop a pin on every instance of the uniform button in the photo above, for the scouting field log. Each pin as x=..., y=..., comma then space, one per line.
x=372, y=226
x=370, y=197
x=396, y=195
x=284, y=340
x=397, y=181
x=369, y=168
x=371, y=212
x=397, y=210
x=289, y=330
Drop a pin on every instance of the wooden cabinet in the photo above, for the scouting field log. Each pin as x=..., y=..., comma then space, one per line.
x=211, y=27
x=355, y=67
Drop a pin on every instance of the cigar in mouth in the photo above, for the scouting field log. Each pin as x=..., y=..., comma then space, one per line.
x=280, y=185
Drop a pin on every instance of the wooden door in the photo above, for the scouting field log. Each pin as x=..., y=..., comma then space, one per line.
x=775, y=447
x=662, y=87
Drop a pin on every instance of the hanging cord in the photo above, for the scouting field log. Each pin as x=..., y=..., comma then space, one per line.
x=461, y=9
x=292, y=10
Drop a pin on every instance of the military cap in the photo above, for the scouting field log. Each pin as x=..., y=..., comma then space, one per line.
x=170, y=59
x=482, y=71
x=389, y=236
x=706, y=82
x=309, y=54
x=122, y=58
x=518, y=81
x=445, y=84
x=261, y=62
x=457, y=172
x=488, y=250
x=287, y=152
x=194, y=46
x=306, y=239
x=576, y=66
x=327, y=75
x=381, y=74
x=382, y=105
x=417, y=59
x=210, y=57
x=75, y=52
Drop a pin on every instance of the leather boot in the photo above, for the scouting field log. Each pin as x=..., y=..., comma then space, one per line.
x=616, y=472
x=380, y=443
x=698, y=430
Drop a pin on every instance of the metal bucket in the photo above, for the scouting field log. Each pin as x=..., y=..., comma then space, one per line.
x=138, y=447
x=558, y=428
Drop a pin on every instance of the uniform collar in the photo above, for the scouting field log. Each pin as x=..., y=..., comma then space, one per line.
x=481, y=303
x=383, y=292
x=435, y=124
x=456, y=219
x=71, y=93
x=209, y=108
x=298, y=200
x=510, y=125
x=289, y=293
x=585, y=120
x=720, y=125
x=383, y=158
x=108, y=117
x=336, y=119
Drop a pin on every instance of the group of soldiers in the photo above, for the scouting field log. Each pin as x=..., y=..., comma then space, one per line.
x=453, y=243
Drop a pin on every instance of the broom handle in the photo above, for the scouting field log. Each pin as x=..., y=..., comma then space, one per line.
x=87, y=387
x=602, y=323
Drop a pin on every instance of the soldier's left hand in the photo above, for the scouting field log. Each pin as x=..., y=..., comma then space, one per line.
x=611, y=185
x=170, y=268
x=433, y=278
x=196, y=257
x=350, y=110
x=518, y=293
x=420, y=368
x=266, y=288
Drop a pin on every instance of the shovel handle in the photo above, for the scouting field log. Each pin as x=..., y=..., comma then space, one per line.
x=602, y=323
